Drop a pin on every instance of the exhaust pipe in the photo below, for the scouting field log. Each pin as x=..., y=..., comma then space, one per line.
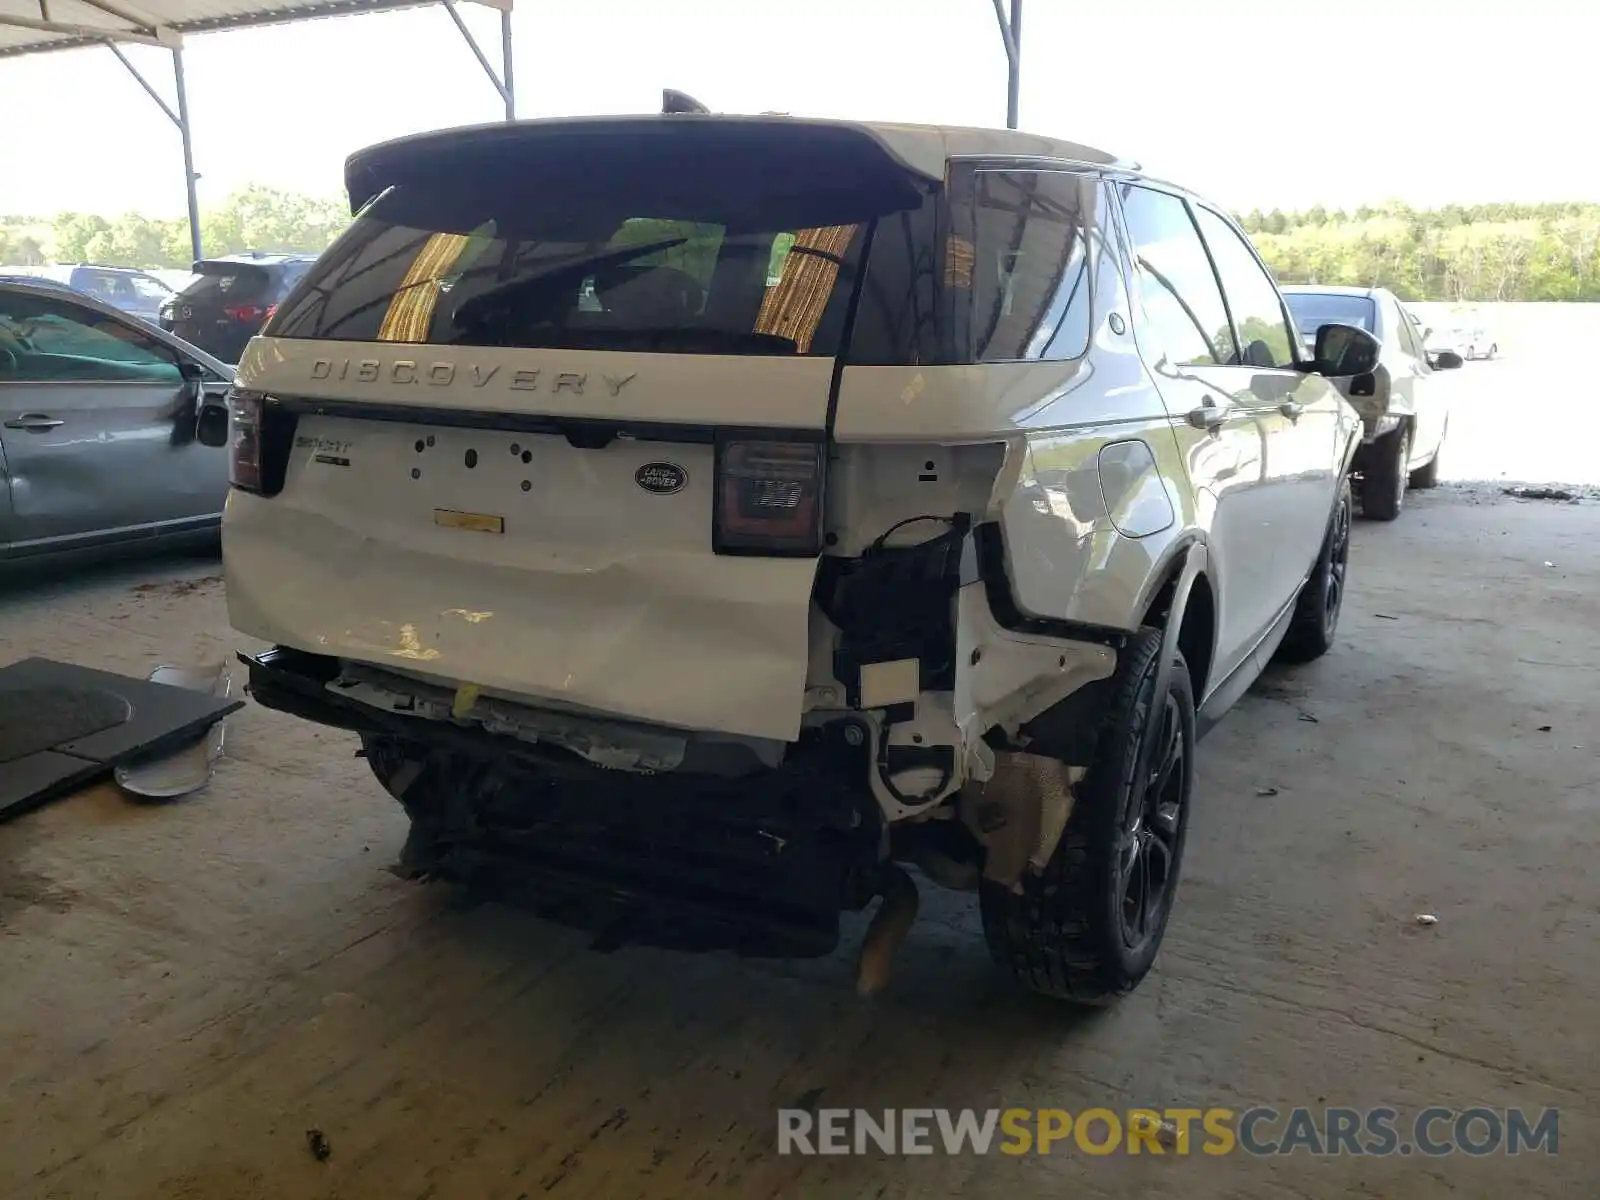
x=889, y=927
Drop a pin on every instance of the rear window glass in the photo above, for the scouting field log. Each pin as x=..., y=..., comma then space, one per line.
x=1026, y=270
x=1313, y=310
x=623, y=260
x=226, y=283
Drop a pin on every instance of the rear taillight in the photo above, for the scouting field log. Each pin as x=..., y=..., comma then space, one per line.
x=769, y=497
x=244, y=439
x=246, y=312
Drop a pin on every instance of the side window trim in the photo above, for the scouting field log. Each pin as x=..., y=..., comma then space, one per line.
x=1283, y=305
x=1234, y=331
x=1133, y=257
x=1409, y=342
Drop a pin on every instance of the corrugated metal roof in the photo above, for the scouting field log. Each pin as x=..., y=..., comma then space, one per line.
x=33, y=26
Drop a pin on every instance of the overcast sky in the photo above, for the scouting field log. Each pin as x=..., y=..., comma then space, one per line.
x=1254, y=102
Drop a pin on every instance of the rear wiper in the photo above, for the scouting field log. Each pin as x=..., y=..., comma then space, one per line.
x=486, y=303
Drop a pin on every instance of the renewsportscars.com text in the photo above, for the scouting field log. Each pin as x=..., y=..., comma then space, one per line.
x=1260, y=1131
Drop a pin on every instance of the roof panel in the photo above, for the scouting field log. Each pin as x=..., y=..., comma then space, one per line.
x=34, y=26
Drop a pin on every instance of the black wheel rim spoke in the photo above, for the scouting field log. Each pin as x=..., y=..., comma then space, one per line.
x=1149, y=845
x=1338, y=564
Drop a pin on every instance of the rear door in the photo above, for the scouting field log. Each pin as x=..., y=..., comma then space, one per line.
x=1299, y=414
x=1412, y=378
x=1186, y=337
x=91, y=410
x=557, y=429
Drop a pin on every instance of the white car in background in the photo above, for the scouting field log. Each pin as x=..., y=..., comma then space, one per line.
x=1405, y=413
x=1469, y=341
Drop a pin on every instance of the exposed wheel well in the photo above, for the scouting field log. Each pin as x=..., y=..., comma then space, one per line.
x=1197, y=634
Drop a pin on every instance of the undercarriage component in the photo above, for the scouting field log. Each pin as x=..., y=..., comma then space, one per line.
x=889, y=927
x=760, y=867
x=896, y=603
x=1018, y=814
x=760, y=864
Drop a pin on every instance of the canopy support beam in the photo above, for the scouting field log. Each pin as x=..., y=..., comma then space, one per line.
x=180, y=118
x=502, y=79
x=1011, y=36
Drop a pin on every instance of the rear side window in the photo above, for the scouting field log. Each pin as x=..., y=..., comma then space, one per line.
x=614, y=259
x=1023, y=264
x=996, y=272
x=1406, y=335
x=148, y=288
x=1313, y=310
x=1177, y=287
x=1264, y=335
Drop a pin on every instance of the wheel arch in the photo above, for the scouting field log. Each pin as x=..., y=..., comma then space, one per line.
x=1185, y=605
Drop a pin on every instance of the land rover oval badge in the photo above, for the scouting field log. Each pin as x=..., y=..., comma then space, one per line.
x=661, y=478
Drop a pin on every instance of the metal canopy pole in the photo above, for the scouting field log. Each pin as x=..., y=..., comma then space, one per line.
x=503, y=86
x=189, y=176
x=1011, y=35
x=510, y=89
x=180, y=118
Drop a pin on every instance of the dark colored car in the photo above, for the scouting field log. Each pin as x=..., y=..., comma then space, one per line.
x=230, y=298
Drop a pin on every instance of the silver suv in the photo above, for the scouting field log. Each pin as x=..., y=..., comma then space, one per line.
x=701, y=518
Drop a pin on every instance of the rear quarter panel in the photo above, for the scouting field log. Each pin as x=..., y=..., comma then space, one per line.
x=1092, y=498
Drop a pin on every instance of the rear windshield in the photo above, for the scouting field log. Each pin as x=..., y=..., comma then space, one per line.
x=226, y=283
x=1313, y=310
x=622, y=259
x=705, y=238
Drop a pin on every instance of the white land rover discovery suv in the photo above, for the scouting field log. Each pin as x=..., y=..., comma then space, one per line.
x=698, y=517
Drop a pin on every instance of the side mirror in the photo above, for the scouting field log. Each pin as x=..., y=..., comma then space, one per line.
x=189, y=397
x=1446, y=360
x=211, y=429
x=1345, y=350
x=194, y=377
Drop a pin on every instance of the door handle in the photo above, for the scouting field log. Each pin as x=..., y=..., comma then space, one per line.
x=1208, y=416
x=1291, y=409
x=34, y=422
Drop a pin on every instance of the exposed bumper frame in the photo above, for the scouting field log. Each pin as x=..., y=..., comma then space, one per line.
x=759, y=864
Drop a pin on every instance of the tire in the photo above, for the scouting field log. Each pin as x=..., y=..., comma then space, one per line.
x=1316, y=612
x=1077, y=930
x=1472, y=353
x=1494, y=349
x=1383, y=485
x=1428, y=476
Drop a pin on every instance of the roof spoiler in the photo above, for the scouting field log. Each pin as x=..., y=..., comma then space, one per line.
x=424, y=158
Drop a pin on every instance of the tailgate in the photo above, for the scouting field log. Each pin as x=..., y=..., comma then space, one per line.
x=642, y=286
x=521, y=563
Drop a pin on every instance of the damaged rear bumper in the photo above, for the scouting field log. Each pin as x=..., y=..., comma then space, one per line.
x=759, y=863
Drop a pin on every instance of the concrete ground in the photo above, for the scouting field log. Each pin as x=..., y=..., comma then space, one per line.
x=186, y=990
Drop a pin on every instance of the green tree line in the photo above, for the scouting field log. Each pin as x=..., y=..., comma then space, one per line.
x=254, y=218
x=1455, y=253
